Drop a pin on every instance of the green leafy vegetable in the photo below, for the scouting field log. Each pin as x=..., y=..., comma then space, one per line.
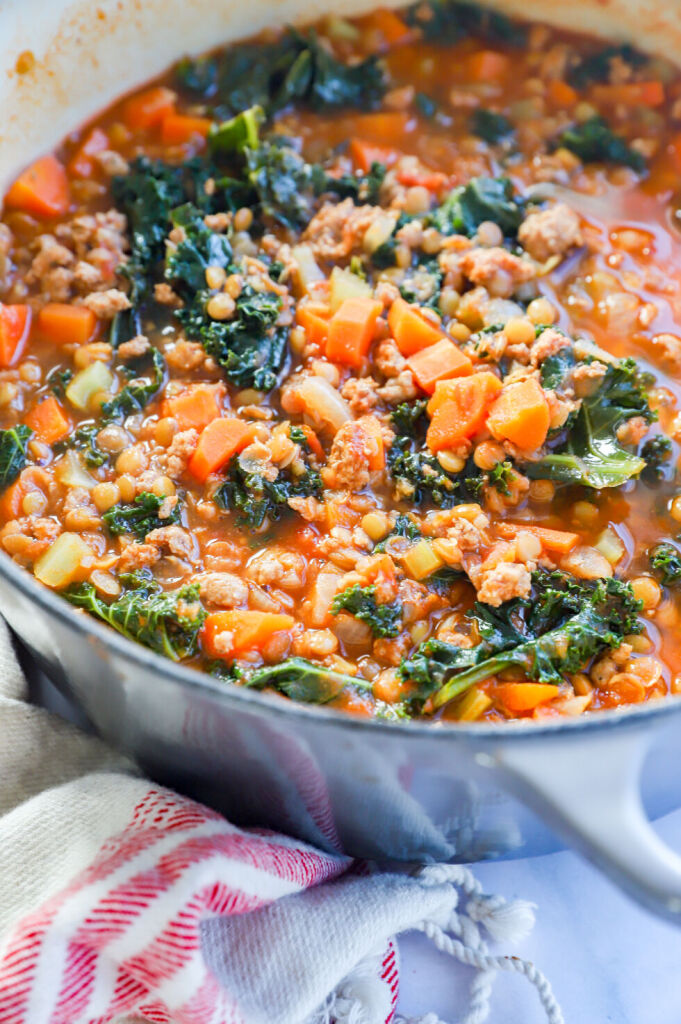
x=255, y=498
x=13, y=453
x=656, y=453
x=166, y=621
x=84, y=439
x=140, y=516
x=422, y=284
x=499, y=476
x=556, y=631
x=597, y=66
x=302, y=680
x=665, y=560
x=140, y=391
x=490, y=126
x=237, y=134
x=402, y=527
x=481, y=199
x=383, y=619
x=594, y=141
x=445, y=22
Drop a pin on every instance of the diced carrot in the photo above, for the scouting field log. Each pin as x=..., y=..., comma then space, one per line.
x=81, y=164
x=524, y=696
x=432, y=180
x=364, y=154
x=630, y=94
x=375, y=450
x=313, y=442
x=31, y=480
x=48, y=421
x=521, y=415
x=15, y=322
x=195, y=408
x=410, y=329
x=148, y=109
x=179, y=128
x=43, y=189
x=227, y=634
x=218, y=442
x=560, y=541
x=561, y=94
x=351, y=331
x=64, y=324
x=313, y=317
x=388, y=25
x=459, y=407
x=438, y=362
x=338, y=513
x=385, y=129
x=487, y=66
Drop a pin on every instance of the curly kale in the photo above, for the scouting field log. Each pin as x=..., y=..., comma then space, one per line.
x=383, y=619
x=597, y=66
x=422, y=284
x=256, y=499
x=553, y=633
x=140, y=391
x=499, y=477
x=481, y=199
x=490, y=126
x=665, y=560
x=588, y=452
x=402, y=527
x=446, y=21
x=166, y=621
x=13, y=453
x=84, y=440
x=140, y=516
x=303, y=681
x=594, y=141
x=656, y=453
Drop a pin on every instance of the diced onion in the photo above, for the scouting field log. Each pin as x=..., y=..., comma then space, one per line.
x=322, y=402
x=95, y=377
x=346, y=285
x=307, y=270
x=610, y=546
x=70, y=472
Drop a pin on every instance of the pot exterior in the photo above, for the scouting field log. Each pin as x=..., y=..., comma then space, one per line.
x=377, y=793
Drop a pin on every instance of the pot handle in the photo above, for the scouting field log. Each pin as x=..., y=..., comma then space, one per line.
x=587, y=789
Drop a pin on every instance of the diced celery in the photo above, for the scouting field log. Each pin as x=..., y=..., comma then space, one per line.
x=95, y=377
x=307, y=271
x=421, y=560
x=346, y=285
x=473, y=704
x=63, y=561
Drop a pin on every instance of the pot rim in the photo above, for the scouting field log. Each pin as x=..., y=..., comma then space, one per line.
x=186, y=675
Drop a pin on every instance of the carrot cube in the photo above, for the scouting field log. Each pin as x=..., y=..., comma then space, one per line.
x=438, y=362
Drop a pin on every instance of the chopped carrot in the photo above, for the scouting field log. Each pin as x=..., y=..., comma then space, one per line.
x=388, y=25
x=313, y=442
x=385, y=129
x=42, y=190
x=438, y=362
x=371, y=428
x=630, y=94
x=561, y=94
x=313, y=317
x=33, y=479
x=15, y=322
x=195, y=408
x=410, y=329
x=459, y=407
x=524, y=696
x=48, y=421
x=227, y=634
x=487, y=66
x=81, y=164
x=149, y=108
x=521, y=415
x=178, y=128
x=351, y=331
x=423, y=176
x=560, y=541
x=364, y=154
x=64, y=324
x=338, y=513
x=218, y=442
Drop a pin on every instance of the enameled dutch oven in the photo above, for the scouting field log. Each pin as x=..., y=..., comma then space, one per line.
x=407, y=791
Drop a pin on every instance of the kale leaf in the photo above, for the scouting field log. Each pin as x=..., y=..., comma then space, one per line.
x=481, y=199
x=13, y=443
x=383, y=619
x=656, y=452
x=166, y=621
x=140, y=516
x=591, y=454
x=490, y=126
x=556, y=631
x=140, y=391
x=447, y=21
x=303, y=681
x=665, y=559
x=84, y=439
x=594, y=141
x=596, y=66
x=402, y=527
x=255, y=499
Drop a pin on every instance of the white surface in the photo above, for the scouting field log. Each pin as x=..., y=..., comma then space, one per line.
x=608, y=961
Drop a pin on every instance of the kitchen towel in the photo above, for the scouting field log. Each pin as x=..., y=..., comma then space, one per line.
x=123, y=900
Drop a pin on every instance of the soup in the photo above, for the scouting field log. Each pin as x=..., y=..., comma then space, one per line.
x=342, y=364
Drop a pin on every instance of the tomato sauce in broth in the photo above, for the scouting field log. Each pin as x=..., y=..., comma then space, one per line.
x=355, y=377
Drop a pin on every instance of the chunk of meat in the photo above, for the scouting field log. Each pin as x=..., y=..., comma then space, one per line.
x=223, y=590
x=352, y=454
x=339, y=228
x=550, y=232
x=360, y=394
x=134, y=348
x=277, y=565
x=315, y=643
x=106, y=304
x=497, y=270
x=174, y=461
x=176, y=540
x=547, y=344
x=504, y=582
x=186, y=355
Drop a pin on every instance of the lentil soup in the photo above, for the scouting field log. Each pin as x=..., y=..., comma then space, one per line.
x=343, y=363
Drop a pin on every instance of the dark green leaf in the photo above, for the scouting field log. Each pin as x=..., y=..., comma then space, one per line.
x=13, y=453
x=594, y=141
x=383, y=619
x=139, y=517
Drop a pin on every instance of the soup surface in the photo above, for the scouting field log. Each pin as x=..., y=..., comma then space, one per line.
x=343, y=363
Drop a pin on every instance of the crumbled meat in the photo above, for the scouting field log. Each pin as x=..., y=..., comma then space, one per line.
x=339, y=228
x=138, y=556
x=176, y=540
x=277, y=565
x=497, y=270
x=186, y=355
x=667, y=347
x=26, y=539
x=111, y=162
x=134, y=348
x=504, y=582
x=547, y=344
x=352, y=452
x=106, y=304
x=165, y=296
x=550, y=232
x=559, y=409
x=360, y=394
x=633, y=431
x=51, y=269
x=587, y=377
x=391, y=651
x=174, y=460
x=401, y=388
x=389, y=359
x=309, y=509
x=315, y=643
x=223, y=590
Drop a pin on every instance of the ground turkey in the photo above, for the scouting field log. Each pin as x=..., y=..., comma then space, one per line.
x=550, y=232
x=497, y=270
x=353, y=452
